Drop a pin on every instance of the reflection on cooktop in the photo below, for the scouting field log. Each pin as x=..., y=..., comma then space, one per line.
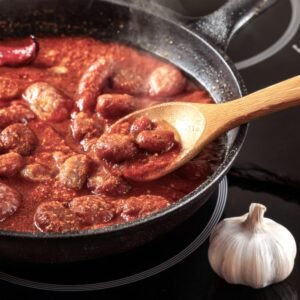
x=262, y=32
x=259, y=40
x=270, y=38
x=126, y=268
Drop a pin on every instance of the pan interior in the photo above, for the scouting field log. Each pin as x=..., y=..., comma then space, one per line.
x=110, y=21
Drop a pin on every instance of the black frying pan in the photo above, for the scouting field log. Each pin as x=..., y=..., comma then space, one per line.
x=193, y=45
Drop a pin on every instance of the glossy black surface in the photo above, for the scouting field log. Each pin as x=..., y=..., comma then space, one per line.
x=273, y=143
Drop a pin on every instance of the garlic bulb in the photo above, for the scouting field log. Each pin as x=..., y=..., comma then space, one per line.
x=252, y=250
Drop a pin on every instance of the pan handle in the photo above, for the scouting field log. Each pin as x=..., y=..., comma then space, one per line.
x=218, y=27
x=221, y=25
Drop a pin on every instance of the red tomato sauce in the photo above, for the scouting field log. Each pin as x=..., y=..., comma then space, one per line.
x=55, y=113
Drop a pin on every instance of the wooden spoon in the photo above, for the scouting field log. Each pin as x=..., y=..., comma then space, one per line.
x=199, y=124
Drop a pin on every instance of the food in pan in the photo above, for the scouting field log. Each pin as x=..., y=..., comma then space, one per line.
x=62, y=166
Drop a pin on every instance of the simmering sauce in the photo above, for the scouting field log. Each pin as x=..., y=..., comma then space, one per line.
x=62, y=168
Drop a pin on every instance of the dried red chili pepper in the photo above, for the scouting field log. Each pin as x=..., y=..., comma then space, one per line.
x=16, y=56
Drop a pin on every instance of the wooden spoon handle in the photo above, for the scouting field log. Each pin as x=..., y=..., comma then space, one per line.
x=263, y=102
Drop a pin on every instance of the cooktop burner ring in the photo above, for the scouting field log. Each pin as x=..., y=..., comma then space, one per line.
x=172, y=261
x=287, y=36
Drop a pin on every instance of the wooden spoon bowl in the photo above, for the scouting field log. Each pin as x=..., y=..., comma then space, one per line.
x=199, y=124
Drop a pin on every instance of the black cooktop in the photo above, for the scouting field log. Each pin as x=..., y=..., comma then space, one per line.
x=266, y=171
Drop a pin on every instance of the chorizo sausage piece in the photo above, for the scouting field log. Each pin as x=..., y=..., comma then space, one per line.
x=141, y=124
x=166, y=81
x=115, y=147
x=112, y=106
x=92, y=83
x=15, y=113
x=156, y=141
x=9, y=89
x=88, y=146
x=36, y=173
x=10, y=164
x=18, y=138
x=47, y=102
x=85, y=125
x=59, y=158
x=106, y=183
x=55, y=216
x=130, y=76
x=92, y=210
x=10, y=201
x=140, y=206
x=73, y=172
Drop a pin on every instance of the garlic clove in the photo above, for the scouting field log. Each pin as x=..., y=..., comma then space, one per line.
x=252, y=250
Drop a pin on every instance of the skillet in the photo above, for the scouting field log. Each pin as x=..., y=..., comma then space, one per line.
x=195, y=45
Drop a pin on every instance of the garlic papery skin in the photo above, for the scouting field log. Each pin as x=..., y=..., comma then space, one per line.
x=252, y=250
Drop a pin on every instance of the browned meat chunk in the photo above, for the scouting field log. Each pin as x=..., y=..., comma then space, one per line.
x=88, y=145
x=156, y=141
x=47, y=102
x=10, y=201
x=55, y=216
x=36, y=173
x=115, y=147
x=140, y=124
x=112, y=106
x=9, y=89
x=18, y=138
x=141, y=206
x=10, y=164
x=85, y=125
x=59, y=158
x=105, y=183
x=166, y=81
x=15, y=113
x=92, y=210
x=73, y=172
